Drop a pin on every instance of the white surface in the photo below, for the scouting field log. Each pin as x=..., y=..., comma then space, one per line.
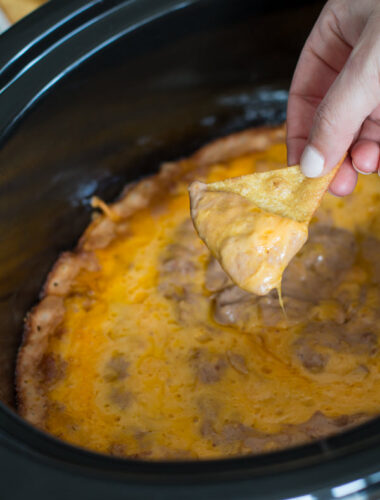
x=4, y=21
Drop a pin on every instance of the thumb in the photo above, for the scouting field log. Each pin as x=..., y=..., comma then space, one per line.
x=352, y=97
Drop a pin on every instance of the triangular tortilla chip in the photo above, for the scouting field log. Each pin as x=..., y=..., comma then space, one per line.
x=286, y=191
x=255, y=224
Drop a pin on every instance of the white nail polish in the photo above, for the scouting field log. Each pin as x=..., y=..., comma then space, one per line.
x=360, y=171
x=312, y=162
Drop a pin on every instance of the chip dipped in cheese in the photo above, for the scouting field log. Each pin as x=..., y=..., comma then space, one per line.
x=255, y=224
x=253, y=246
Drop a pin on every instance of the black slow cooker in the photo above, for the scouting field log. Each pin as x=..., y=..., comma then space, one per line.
x=96, y=93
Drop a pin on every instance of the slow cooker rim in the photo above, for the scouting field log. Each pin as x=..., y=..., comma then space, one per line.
x=85, y=29
x=328, y=468
x=67, y=454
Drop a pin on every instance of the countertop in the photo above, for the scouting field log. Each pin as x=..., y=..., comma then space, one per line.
x=16, y=9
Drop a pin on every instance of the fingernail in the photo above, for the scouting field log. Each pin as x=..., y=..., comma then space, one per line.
x=358, y=170
x=312, y=162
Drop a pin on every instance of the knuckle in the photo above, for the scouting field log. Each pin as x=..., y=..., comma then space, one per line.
x=323, y=119
x=336, y=7
x=354, y=66
x=334, y=13
x=364, y=70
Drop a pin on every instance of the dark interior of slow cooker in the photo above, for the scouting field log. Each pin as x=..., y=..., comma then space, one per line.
x=154, y=95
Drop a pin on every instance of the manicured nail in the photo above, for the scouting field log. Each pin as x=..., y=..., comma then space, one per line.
x=312, y=162
x=358, y=170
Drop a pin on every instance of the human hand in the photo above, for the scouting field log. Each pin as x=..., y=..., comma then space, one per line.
x=334, y=99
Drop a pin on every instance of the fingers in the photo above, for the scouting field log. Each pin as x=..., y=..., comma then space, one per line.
x=300, y=116
x=365, y=152
x=334, y=90
x=352, y=97
x=345, y=180
x=321, y=60
x=365, y=156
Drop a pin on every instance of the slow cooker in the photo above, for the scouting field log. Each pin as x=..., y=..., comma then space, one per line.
x=94, y=94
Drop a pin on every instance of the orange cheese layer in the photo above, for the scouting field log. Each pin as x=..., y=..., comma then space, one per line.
x=131, y=385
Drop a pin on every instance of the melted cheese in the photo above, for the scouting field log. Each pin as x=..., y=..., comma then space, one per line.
x=134, y=342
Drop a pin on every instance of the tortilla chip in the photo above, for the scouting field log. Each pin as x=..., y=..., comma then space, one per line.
x=255, y=224
x=285, y=192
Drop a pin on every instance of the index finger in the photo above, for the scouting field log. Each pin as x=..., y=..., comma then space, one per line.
x=322, y=58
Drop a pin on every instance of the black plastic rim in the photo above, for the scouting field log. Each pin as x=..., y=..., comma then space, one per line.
x=34, y=55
